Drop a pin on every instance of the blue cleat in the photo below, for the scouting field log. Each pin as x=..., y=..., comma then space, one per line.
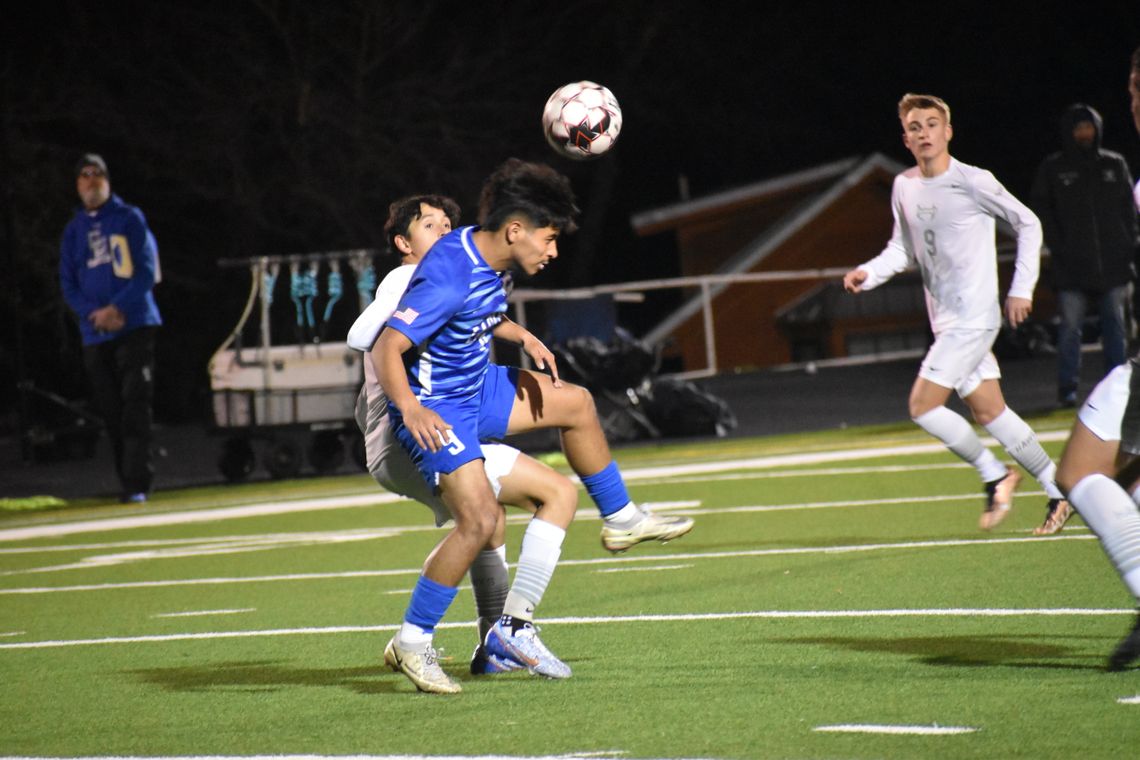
x=483, y=663
x=525, y=648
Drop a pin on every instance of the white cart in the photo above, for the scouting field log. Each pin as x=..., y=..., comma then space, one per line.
x=292, y=399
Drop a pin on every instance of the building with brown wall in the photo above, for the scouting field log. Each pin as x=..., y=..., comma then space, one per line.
x=830, y=217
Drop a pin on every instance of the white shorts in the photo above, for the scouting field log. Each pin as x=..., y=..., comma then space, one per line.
x=393, y=469
x=961, y=359
x=1103, y=410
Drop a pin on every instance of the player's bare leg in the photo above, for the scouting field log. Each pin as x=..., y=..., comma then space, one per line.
x=468, y=496
x=513, y=639
x=570, y=408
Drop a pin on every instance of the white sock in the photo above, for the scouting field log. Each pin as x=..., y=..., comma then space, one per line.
x=541, y=548
x=490, y=582
x=1108, y=510
x=413, y=637
x=626, y=517
x=953, y=430
x=1021, y=442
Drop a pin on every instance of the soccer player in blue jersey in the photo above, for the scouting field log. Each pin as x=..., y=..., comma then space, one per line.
x=414, y=224
x=433, y=362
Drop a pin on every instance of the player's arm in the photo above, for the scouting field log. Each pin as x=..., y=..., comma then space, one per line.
x=427, y=428
x=997, y=201
x=542, y=357
x=894, y=258
x=364, y=331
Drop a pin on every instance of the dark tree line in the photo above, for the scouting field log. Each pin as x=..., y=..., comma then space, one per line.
x=274, y=126
x=264, y=127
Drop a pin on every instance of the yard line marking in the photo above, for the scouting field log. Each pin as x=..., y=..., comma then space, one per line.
x=873, y=728
x=263, y=542
x=351, y=574
x=214, y=581
x=655, y=568
x=600, y=620
x=262, y=509
x=892, y=468
x=204, y=547
x=12, y=633
x=381, y=497
x=820, y=457
x=201, y=613
x=1130, y=700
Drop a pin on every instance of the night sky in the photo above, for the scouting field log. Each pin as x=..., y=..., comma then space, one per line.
x=252, y=128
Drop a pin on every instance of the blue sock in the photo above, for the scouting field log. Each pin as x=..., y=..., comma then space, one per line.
x=430, y=601
x=607, y=489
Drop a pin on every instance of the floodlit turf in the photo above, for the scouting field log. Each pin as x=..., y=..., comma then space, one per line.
x=842, y=604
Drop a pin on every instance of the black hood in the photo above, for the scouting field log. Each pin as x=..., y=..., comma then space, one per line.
x=1076, y=113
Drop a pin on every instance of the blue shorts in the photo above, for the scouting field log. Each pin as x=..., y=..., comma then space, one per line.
x=474, y=420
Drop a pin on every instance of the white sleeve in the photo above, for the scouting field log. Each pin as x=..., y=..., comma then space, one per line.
x=996, y=200
x=895, y=257
x=367, y=326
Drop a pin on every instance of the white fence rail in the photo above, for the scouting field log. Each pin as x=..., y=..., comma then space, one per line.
x=709, y=286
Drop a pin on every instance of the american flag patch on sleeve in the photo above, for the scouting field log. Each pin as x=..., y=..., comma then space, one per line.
x=407, y=316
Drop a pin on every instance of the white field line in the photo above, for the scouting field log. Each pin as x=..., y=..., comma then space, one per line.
x=203, y=613
x=370, y=499
x=804, y=473
x=873, y=728
x=819, y=457
x=1130, y=700
x=263, y=542
x=654, y=569
x=201, y=515
x=849, y=548
x=328, y=536
x=955, y=612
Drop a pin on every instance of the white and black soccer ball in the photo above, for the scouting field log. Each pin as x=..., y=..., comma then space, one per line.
x=581, y=120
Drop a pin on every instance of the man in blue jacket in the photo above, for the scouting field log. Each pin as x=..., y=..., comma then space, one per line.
x=107, y=269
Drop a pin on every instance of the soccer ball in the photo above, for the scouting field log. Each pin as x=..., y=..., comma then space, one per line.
x=581, y=120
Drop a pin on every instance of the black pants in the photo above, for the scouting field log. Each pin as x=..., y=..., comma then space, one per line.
x=122, y=383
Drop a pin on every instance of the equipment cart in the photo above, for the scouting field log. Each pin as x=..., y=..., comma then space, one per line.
x=297, y=400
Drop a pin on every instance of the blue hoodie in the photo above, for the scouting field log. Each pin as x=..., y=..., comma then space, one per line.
x=109, y=256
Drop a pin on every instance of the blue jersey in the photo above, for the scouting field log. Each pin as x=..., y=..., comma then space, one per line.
x=448, y=311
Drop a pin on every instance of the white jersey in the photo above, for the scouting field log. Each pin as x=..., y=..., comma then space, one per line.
x=945, y=226
x=372, y=404
x=387, y=461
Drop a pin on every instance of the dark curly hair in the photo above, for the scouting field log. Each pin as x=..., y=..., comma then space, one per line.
x=534, y=191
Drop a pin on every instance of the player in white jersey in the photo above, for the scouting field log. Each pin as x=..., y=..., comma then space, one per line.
x=945, y=214
x=414, y=224
x=445, y=397
x=1100, y=466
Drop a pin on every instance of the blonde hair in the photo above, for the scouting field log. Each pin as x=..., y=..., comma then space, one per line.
x=911, y=101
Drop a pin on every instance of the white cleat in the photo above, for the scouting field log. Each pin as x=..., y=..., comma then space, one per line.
x=651, y=528
x=421, y=667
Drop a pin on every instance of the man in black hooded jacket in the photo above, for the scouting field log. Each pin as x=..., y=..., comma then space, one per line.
x=1083, y=196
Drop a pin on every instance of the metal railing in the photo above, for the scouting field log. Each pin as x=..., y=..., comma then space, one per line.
x=709, y=286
